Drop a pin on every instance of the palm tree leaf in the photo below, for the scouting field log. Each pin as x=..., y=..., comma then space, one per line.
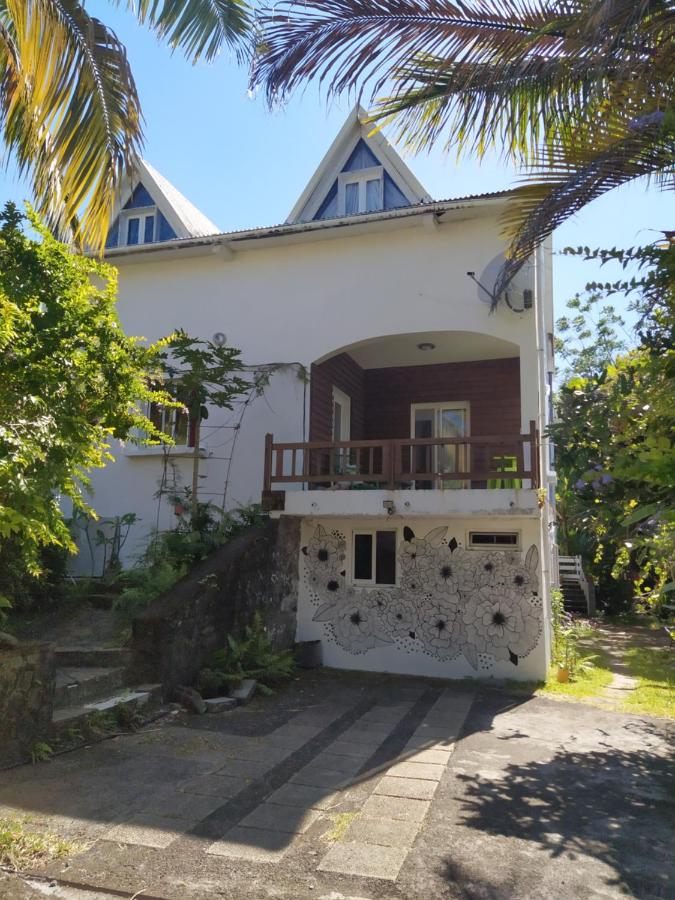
x=567, y=184
x=200, y=28
x=567, y=86
x=352, y=40
x=69, y=110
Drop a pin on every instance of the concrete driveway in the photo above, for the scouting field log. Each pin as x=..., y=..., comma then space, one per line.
x=347, y=785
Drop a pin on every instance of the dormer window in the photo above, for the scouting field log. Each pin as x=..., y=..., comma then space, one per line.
x=360, y=191
x=138, y=226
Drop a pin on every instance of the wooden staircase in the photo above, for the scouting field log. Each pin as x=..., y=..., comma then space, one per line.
x=577, y=591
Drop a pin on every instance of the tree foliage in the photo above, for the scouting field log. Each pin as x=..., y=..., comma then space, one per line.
x=615, y=438
x=199, y=374
x=71, y=381
x=580, y=93
x=69, y=108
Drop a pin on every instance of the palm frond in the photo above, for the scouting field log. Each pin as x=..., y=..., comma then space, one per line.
x=200, y=28
x=355, y=41
x=566, y=88
x=69, y=111
x=471, y=106
x=567, y=184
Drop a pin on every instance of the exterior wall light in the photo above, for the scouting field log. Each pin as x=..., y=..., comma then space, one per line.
x=426, y=345
x=389, y=506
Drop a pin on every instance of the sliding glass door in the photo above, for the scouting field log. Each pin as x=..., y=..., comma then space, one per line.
x=440, y=420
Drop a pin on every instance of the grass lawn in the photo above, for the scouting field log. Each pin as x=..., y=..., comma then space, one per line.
x=21, y=847
x=654, y=667
x=585, y=683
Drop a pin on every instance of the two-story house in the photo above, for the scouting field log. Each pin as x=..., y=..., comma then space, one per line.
x=405, y=427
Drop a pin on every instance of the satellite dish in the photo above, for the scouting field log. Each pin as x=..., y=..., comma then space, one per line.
x=219, y=339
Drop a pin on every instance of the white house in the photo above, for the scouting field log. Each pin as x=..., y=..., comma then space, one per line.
x=413, y=452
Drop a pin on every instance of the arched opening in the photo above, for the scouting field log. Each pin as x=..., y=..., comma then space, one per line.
x=421, y=411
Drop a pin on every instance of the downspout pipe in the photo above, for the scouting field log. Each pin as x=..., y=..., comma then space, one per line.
x=542, y=371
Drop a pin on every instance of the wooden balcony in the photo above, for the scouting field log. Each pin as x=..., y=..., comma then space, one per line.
x=485, y=461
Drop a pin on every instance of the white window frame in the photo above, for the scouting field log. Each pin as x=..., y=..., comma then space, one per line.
x=141, y=213
x=169, y=414
x=492, y=547
x=345, y=402
x=371, y=582
x=360, y=177
x=447, y=404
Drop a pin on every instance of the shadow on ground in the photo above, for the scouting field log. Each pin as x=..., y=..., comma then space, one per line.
x=558, y=788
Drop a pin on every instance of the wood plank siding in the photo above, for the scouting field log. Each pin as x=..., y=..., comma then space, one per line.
x=347, y=376
x=381, y=398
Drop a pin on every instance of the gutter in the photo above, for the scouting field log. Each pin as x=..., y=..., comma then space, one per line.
x=227, y=241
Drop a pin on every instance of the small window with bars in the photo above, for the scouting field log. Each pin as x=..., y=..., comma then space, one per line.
x=481, y=540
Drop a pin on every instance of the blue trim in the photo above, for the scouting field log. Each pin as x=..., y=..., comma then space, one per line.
x=140, y=197
x=328, y=209
x=362, y=157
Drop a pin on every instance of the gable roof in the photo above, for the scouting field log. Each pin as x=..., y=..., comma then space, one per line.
x=185, y=220
x=353, y=140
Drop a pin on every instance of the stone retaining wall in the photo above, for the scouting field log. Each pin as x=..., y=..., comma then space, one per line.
x=26, y=700
x=258, y=570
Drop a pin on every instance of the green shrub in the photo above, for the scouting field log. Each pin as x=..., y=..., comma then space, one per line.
x=144, y=586
x=169, y=555
x=251, y=656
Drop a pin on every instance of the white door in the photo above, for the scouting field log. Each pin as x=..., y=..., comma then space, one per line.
x=439, y=420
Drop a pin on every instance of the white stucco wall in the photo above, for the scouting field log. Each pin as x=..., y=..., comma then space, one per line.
x=298, y=301
x=395, y=629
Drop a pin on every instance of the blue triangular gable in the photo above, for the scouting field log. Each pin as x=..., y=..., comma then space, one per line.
x=140, y=197
x=362, y=157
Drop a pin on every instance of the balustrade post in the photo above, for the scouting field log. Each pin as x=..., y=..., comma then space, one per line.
x=267, y=476
x=389, y=451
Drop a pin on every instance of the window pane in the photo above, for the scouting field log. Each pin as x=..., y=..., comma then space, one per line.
x=424, y=423
x=351, y=198
x=132, y=231
x=337, y=421
x=155, y=416
x=373, y=194
x=149, y=233
x=385, y=557
x=363, y=557
x=180, y=432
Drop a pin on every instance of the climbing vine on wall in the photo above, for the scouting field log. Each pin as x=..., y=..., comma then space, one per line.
x=448, y=602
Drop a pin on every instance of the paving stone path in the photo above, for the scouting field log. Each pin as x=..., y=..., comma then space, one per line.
x=388, y=761
x=358, y=786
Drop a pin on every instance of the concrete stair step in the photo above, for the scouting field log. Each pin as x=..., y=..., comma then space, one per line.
x=96, y=657
x=77, y=685
x=71, y=716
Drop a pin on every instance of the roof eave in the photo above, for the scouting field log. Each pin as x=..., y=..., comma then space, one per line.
x=299, y=231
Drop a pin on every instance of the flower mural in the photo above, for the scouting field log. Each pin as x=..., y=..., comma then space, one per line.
x=449, y=601
x=354, y=622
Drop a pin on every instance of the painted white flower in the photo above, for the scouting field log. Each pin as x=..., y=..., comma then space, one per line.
x=356, y=625
x=400, y=618
x=489, y=569
x=440, y=628
x=501, y=622
x=445, y=571
x=324, y=552
x=416, y=555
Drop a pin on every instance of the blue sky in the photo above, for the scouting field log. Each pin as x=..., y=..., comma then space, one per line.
x=244, y=166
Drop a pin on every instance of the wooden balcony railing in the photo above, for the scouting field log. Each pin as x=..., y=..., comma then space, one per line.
x=493, y=461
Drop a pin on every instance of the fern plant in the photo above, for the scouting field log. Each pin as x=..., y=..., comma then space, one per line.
x=251, y=656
